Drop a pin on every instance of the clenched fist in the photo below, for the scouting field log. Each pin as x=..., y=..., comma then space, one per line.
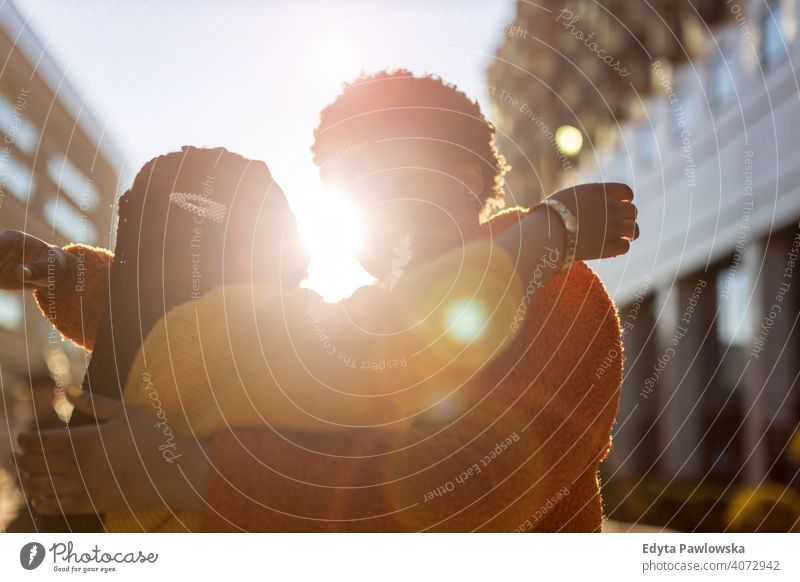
x=606, y=218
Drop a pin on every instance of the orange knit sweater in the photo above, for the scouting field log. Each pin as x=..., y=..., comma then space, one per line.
x=523, y=454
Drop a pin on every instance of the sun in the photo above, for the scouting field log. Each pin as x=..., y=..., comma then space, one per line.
x=333, y=231
x=331, y=224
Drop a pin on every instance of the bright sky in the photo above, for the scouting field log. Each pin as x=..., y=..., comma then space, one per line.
x=253, y=75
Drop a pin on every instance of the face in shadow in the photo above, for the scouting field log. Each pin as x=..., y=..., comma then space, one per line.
x=414, y=206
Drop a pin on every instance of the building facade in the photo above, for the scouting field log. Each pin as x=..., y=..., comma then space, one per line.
x=59, y=176
x=585, y=64
x=709, y=296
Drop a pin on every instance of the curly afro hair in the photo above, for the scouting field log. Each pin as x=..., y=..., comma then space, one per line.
x=437, y=119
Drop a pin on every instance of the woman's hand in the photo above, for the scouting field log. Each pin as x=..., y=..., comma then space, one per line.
x=123, y=462
x=27, y=262
x=606, y=218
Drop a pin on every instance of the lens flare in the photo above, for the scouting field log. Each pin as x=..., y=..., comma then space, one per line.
x=569, y=140
x=465, y=320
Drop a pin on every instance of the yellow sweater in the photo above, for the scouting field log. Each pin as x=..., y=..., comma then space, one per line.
x=255, y=357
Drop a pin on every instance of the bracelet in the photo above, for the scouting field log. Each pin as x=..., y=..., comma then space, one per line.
x=571, y=228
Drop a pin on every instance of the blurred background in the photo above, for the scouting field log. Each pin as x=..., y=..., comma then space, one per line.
x=694, y=103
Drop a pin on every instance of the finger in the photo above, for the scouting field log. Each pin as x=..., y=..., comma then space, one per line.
x=47, y=485
x=38, y=464
x=625, y=229
x=63, y=504
x=617, y=247
x=618, y=212
x=624, y=209
x=9, y=260
x=14, y=247
x=619, y=191
x=34, y=273
x=614, y=246
x=630, y=230
x=45, y=441
x=95, y=405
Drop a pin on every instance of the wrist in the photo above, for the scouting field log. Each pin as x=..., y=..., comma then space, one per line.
x=556, y=231
x=569, y=225
x=66, y=272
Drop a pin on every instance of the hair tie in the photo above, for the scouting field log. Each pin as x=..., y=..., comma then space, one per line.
x=200, y=205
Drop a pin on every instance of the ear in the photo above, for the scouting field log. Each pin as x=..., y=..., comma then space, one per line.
x=471, y=177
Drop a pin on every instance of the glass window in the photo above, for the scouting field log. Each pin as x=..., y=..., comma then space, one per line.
x=15, y=177
x=74, y=183
x=645, y=143
x=682, y=116
x=773, y=46
x=73, y=225
x=733, y=290
x=620, y=167
x=722, y=87
x=17, y=128
x=10, y=310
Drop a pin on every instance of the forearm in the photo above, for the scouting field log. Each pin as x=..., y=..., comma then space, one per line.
x=536, y=245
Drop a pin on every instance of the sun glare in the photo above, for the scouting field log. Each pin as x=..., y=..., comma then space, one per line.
x=338, y=57
x=333, y=231
x=332, y=225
